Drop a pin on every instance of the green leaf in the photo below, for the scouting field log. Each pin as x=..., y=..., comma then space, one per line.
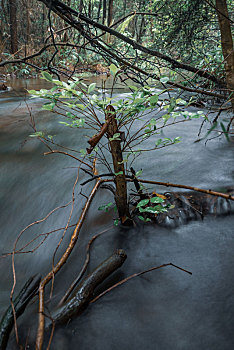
x=119, y=173
x=132, y=87
x=225, y=131
x=47, y=76
x=143, y=219
x=32, y=92
x=153, y=100
x=153, y=210
x=57, y=82
x=156, y=200
x=80, y=106
x=113, y=69
x=48, y=106
x=166, y=117
x=212, y=128
x=38, y=134
x=105, y=207
x=138, y=173
x=142, y=203
x=91, y=87
x=115, y=137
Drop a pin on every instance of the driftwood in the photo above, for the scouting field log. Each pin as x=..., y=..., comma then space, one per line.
x=83, y=294
x=21, y=301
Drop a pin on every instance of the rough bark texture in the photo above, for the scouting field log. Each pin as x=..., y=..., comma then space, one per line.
x=13, y=25
x=227, y=45
x=117, y=157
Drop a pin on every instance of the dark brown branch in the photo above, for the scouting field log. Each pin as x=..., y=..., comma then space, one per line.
x=84, y=292
x=93, y=141
x=21, y=301
x=168, y=184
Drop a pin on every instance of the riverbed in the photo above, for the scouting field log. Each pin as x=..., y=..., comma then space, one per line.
x=165, y=309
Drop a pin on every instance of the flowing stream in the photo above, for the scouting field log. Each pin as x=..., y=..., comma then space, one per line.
x=165, y=309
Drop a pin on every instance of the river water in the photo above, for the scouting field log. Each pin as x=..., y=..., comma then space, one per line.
x=166, y=309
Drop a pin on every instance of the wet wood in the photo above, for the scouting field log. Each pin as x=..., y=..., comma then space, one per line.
x=84, y=291
x=21, y=301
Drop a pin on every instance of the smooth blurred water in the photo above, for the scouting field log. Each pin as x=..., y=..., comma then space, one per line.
x=165, y=309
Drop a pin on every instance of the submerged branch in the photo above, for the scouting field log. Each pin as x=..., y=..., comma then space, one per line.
x=84, y=292
x=21, y=301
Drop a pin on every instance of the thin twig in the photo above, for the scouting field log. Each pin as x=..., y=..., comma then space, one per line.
x=136, y=275
x=68, y=154
x=57, y=267
x=84, y=268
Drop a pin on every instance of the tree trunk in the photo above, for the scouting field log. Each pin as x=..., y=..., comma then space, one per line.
x=13, y=25
x=227, y=46
x=104, y=12
x=117, y=157
x=110, y=13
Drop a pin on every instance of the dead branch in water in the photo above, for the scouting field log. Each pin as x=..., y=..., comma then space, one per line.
x=84, y=292
x=20, y=302
x=136, y=275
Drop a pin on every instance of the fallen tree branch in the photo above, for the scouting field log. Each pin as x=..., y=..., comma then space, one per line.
x=136, y=275
x=19, y=304
x=57, y=267
x=84, y=292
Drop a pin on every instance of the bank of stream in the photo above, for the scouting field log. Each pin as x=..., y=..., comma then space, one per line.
x=165, y=309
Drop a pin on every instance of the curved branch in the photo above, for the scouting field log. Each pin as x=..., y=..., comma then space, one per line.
x=57, y=267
